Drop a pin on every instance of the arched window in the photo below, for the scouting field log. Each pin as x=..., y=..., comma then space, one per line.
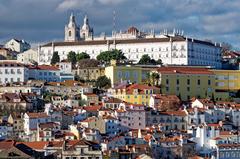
x=69, y=33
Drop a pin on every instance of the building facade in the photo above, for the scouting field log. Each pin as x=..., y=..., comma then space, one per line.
x=135, y=93
x=28, y=57
x=187, y=82
x=13, y=72
x=17, y=45
x=170, y=48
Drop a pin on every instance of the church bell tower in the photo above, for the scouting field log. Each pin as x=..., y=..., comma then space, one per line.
x=71, y=30
x=86, y=31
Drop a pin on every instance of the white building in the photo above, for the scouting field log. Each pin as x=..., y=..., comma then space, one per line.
x=28, y=57
x=65, y=67
x=17, y=45
x=31, y=121
x=44, y=72
x=13, y=72
x=170, y=48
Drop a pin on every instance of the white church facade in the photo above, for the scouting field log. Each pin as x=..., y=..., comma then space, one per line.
x=172, y=49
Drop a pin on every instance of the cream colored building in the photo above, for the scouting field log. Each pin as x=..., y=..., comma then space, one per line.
x=17, y=45
x=28, y=57
x=90, y=73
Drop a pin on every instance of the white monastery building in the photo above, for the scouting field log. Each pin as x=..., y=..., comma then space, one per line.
x=172, y=49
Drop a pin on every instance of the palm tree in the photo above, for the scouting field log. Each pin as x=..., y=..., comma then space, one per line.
x=152, y=78
x=155, y=78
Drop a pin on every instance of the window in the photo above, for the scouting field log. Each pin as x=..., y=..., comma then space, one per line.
x=177, y=81
x=167, y=89
x=198, y=82
x=188, y=89
x=209, y=82
x=183, y=127
x=167, y=81
x=70, y=33
x=188, y=81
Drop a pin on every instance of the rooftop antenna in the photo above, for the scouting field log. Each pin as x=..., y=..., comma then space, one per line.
x=114, y=22
x=114, y=28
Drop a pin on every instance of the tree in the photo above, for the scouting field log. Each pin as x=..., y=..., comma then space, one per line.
x=55, y=58
x=82, y=55
x=146, y=60
x=107, y=56
x=103, y=82
x=153, y=78
x=78, y=78
x=226, y=47
x=72, y=57
x=159, y=62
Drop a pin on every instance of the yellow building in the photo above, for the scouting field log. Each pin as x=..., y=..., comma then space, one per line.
x=187, y=82
x=226, y=81
x=128, y=73
x=135, y=93
x=124, y=73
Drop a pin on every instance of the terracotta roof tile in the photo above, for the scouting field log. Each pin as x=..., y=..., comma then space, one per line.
x=44, y=67
x=37, y=115
x=176, y=113
x=92, y=108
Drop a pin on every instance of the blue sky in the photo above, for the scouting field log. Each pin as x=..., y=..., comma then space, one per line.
x=44, y=20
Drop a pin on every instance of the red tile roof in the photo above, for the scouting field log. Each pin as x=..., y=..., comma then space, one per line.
x=92, y=108
x=48, y=125
x=175, y=113
x=90, y=94
x=37, y=115
x=90, y=119
x=36, y=145
x=11, y=64
x=67, y=83
x=140, y=87
x=6, y=144
x=213, y=125
x=44, y=67
x=113, y=100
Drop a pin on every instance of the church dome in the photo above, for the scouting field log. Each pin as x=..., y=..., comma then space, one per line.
x=132, y=30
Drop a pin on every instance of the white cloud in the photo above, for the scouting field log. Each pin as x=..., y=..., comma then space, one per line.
x=74, y=4
x=111, y=2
